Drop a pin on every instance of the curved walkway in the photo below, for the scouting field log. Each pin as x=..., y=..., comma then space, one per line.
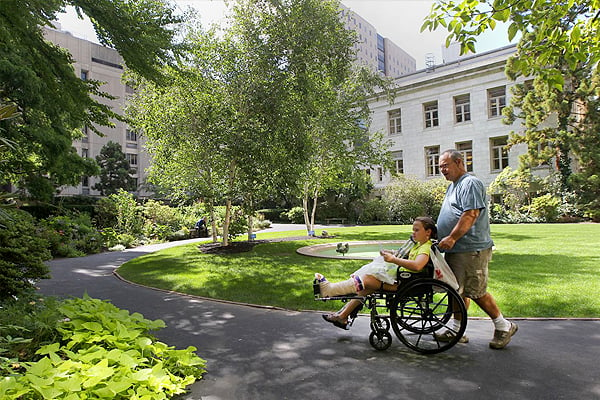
x=262, y=354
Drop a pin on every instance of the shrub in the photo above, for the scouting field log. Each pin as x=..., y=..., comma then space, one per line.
x=106, y=213
x=296, y=215
x=28, y=322
x=129, y=218
x=273, y=214
x=161, y=214
x=374, y=210
x=71, y=235
x=407, y=198
x=262, y=224
x=545, y=208
x=22, y=254
x=101, y=352
x=182, y=234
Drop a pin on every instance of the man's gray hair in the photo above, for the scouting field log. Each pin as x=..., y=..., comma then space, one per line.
x=454, y=154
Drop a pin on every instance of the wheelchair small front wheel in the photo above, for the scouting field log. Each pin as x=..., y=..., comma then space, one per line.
x=380, y=339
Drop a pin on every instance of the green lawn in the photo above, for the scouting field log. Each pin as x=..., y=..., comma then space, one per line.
x=538, y=270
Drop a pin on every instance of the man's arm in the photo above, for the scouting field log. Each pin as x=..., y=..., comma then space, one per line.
x=465, y=222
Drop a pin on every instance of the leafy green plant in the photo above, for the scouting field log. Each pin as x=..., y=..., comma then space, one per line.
x=30, y=317
x=22, y=254
x=296, y=215
x=71, y=235
x=545, y=207
x=104, y=353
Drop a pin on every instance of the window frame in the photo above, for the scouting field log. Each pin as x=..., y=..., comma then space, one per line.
x=431, y=114
x=498, y=153
x=398, y=158
x=432, y=161
x=496, y=101
x=395, y=121
x=462, y=108
x=467, y=153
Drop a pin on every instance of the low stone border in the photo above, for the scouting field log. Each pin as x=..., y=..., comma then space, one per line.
x=313, y=251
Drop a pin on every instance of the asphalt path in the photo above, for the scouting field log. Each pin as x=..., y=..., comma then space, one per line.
x=266, y=353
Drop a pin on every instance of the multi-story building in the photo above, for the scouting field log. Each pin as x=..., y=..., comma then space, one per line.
x=454, y=105
x=93, y=61
x=372, y=49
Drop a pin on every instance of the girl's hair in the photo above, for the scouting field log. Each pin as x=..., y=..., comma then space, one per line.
x=428, y=224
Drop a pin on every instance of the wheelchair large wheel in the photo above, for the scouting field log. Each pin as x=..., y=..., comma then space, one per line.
x=422, y=310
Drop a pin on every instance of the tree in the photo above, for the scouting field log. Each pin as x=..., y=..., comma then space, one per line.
x=309, y=53
x=560, y=49
x=38, y=77
x=238, y=121
x=115, y=171
x=188, y=125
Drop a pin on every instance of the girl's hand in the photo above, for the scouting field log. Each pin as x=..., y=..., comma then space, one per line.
x=388, y=257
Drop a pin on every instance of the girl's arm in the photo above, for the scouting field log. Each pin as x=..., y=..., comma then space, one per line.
x=415, y=265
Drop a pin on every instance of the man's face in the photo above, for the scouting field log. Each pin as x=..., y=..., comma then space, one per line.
x=451, y=169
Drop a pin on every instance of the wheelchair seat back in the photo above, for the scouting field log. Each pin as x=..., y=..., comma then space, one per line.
x=405, y=277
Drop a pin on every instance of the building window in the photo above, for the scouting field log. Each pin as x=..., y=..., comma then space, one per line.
x=84, y=75
x=398, y=158
x=431, y=114
x=395, y=124
x=132, y=159
x=85, y=153
x=462, y=108
x=131, y=136
x=496, y=101
x=85, y=132
x=499, y=153
x=466, y=149
x=432, y=160
x=85, y=181
x=379, y=174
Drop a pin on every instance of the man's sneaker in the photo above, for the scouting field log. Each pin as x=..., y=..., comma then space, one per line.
x=448, y=336
x=502, y=338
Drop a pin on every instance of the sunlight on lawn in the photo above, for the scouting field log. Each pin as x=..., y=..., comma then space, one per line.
x=536, y=271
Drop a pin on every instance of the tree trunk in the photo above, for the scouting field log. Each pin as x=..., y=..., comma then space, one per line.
x=309, y=226
x=226, y=223
x=250, y=222
x=213, y=224
x=314, y=211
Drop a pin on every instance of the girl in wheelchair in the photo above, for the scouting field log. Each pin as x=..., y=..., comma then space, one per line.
x=380, y=276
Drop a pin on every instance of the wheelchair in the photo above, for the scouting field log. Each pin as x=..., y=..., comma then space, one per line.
x=418, y=311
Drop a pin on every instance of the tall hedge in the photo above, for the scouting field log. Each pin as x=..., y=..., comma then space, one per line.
x=22, y=254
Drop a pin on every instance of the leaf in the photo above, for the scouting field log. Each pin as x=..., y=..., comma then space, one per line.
x=512, y=31
x=575, y=34
x=501, y=15
x=97, y=373
x=51, y=348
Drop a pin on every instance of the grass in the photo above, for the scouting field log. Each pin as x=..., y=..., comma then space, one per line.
x=538, y=270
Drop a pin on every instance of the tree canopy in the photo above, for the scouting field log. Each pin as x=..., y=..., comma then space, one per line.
x=115, y=171
x=249, y=113
x=54, y=104
x=558, y=58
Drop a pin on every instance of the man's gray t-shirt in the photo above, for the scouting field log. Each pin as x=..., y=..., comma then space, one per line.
x=468, y=193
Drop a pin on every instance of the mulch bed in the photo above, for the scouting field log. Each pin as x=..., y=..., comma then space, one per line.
x=242, y=247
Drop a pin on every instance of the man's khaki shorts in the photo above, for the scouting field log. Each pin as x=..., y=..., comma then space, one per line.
x=471, y=270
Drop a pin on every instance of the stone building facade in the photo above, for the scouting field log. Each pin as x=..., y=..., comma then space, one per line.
x=454, y=105
x=93, y=61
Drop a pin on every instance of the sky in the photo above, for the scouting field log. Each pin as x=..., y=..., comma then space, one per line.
x=397, y=20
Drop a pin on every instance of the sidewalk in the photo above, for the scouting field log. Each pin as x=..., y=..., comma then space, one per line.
x=261, y=354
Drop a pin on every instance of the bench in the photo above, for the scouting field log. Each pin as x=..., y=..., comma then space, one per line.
x=336, y=220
